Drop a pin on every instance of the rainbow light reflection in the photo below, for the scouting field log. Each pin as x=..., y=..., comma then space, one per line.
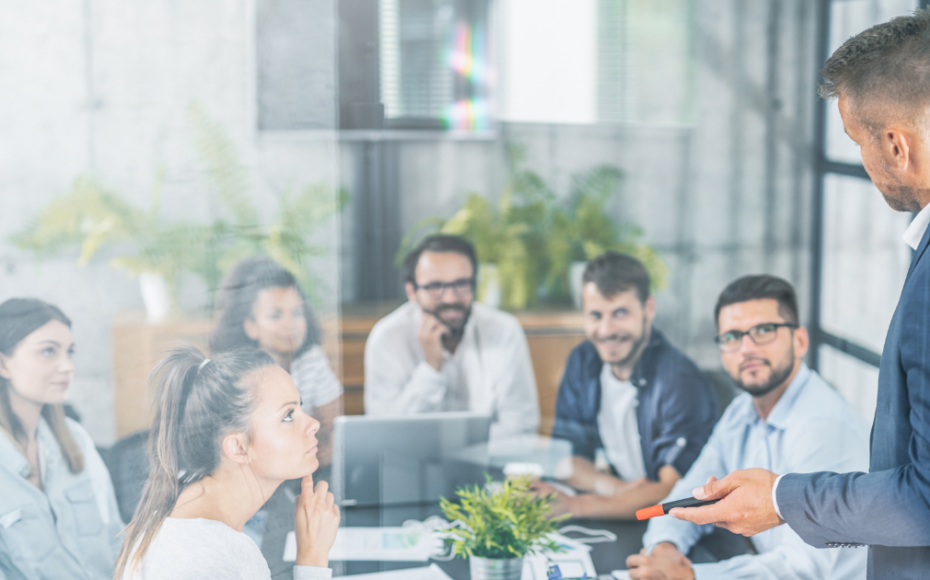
x=468, y=58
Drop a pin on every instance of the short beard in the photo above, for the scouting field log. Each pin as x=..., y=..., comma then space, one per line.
x=455, y=332
x=778, y=377
x=634, y=348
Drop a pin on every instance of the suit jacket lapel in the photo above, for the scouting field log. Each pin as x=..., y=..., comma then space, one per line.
x=921, y=248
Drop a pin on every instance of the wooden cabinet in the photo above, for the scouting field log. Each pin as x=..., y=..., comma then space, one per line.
x=138, y=345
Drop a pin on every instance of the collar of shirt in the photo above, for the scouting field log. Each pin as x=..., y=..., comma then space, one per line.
x=915, y=232
x=778, y=418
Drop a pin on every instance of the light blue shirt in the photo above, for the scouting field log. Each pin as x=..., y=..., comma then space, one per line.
x=69, y=528
x=811, y=428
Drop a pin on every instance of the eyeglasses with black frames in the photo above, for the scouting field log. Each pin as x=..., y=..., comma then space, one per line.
x=461, y=288
x=760, y=334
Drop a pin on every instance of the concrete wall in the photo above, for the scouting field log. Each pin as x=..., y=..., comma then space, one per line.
x=102, y=87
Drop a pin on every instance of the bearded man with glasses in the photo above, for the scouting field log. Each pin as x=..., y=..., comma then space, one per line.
x=441, y=351
x=789, y=420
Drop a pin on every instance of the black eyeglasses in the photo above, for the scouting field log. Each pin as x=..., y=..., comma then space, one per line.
x=461, y=288
x=760, y=334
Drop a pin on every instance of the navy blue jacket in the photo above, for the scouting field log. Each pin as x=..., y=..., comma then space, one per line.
x=889, y=507
x=676, y=413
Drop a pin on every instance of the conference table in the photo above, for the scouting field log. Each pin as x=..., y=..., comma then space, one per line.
x=606, y=556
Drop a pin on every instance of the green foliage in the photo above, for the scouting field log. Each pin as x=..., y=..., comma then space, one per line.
x=533, y=240
x=92, y=217
x=503, y=520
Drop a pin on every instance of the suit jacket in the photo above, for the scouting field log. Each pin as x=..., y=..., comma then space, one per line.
x=888, y=508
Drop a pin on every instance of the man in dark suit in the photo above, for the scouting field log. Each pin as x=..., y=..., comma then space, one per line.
x=882, y=80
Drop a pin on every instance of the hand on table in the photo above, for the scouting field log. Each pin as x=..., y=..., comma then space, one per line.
x=430, y=335
x=746, y=505
x=562, y=503
x=316, y=519
x=665, y=563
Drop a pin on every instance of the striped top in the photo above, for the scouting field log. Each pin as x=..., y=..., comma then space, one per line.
x=315, y=380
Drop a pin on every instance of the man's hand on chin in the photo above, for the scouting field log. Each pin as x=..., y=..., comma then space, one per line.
x=745, y=505
x=665, y=563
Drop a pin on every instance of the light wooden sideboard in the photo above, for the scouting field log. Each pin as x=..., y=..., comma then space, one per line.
x=138, y=345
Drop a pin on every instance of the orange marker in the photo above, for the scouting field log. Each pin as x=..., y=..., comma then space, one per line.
x=663, y=508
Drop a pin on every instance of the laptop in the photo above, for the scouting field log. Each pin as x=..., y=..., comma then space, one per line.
x=408, y=459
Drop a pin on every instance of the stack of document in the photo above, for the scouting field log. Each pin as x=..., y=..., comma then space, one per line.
x=431, y=572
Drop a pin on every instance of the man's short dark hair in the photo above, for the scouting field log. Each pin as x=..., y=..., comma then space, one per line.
x=439, y=243
x=758, y=288
x=890, y=62
x=613, y=273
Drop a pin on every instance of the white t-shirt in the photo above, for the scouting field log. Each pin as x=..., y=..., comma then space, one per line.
x=198, y=548
x=315, y=380
x=619, y=427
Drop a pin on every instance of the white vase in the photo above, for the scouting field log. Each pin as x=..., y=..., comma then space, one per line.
x=495, y=569
x=155, y=296
x=575, y=275
x=489, y=285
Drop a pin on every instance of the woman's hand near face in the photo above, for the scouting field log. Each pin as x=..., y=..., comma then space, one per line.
x=316, y=520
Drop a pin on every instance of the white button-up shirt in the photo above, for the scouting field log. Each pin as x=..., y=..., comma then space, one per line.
x=489, y=372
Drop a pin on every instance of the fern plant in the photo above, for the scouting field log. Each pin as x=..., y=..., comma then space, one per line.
x=92, y=217
x=504, y=520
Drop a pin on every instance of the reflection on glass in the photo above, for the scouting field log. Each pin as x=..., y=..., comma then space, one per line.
x=435, y=63
x=855, y=380
x=865, y=261
x=848, y=18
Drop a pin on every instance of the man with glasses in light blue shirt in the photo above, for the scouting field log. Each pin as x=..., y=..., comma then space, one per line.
x=789, y=420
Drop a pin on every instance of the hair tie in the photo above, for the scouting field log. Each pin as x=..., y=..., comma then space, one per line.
x=203, y=364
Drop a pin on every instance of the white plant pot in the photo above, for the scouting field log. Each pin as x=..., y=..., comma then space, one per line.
x=495, y=569
x=155, y=296
x=575, y=274
x=489, y=285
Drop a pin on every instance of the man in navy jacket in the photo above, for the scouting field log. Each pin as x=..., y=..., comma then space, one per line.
x=628, y=400
x=882, y=80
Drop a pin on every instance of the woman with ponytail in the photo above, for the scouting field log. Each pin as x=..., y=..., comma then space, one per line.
x=58, y=512
x=226, y=433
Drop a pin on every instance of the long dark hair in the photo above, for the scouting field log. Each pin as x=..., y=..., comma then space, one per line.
x=20, y=317
x=237, y=294
x=196, y=405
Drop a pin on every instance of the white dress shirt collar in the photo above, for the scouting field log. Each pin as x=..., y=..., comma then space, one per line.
x=915, y=231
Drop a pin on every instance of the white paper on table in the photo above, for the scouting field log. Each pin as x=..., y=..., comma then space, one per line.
x=375, y=544
x=621, y=574
x=431, y=572
x=574, y=557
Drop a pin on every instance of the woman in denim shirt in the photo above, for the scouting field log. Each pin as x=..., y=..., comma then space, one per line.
x=58, y=512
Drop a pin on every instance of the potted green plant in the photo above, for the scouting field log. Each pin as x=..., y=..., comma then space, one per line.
x=159, y=251
x=584, y=230
x=499, y=524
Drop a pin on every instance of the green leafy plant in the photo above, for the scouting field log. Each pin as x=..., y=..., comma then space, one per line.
x=532, y=239
x=583, y=230
x=504, y=520
x=92, y=217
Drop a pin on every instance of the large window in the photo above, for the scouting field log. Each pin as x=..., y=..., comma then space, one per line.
x=860, y=261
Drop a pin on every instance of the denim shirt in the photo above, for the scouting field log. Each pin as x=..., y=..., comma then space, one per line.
x=69, y=528
x=676, y=411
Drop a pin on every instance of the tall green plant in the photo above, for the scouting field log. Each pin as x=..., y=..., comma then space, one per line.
x=92, y=217
x=503, y=520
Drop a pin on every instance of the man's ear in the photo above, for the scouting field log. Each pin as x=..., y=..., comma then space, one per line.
x=650, y=308
x=236, y=447
x=4, y=370
x=801, y=340
x=411, y=292
x=897, y=145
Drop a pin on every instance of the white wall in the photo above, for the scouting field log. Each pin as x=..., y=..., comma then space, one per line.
x=102, y=87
